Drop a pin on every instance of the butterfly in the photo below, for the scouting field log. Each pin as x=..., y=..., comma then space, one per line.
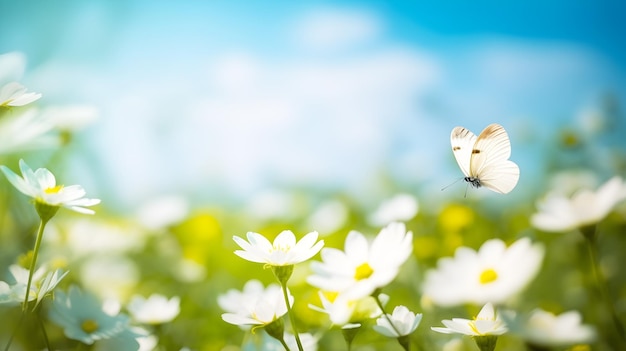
x=484, y=160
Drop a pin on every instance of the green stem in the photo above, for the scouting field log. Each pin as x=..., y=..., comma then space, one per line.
x=43, y=331
x=601, y=281
x=276, y=329
x=33, y=262
x=486, y=342
x=405, y=342
x=292, y=318
x=282, y=341
x=348, y=336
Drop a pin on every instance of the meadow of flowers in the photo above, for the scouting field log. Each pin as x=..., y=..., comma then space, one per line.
x=323, y=272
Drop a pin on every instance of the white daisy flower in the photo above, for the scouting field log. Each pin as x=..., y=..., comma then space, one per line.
x=545, y=329
x=487, y=322
x=329, y=217
x=14, y=94
x=129, y=339
x=156, y=309
x=17, y=290
x=49, y=282
x=347, y=312
x=81, y=316
x=70, y=118
x=259, y=309
x=493, y=274
x=41, y=186
x=363, y=267
x=25, y=130
x=233, y=300
x=148, y=342
x=42, y=284
x=558, y=213
x=404, y=322
x=284, y=251
x=399, y=208
x=7, y=295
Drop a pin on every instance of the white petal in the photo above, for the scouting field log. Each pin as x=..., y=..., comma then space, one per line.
x=18, y=182
x=285, y=239
x=236, y=319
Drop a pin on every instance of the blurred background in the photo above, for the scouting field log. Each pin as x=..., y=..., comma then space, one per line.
x=220, y=100
x=207, y=119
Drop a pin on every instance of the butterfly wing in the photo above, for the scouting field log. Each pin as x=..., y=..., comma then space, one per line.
x=500, y=177
x=462, y=141
x=489, y=160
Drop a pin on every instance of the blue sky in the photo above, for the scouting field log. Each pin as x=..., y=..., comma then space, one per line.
x=234, y=96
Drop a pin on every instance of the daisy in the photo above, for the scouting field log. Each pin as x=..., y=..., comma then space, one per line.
x=545, y=329
x=82, y=318
x=49, y=197
x=14, y=94
x=583, y=211
x=127, y=340
x=15, y=293
x=346, y=312
x=494, y=273
x=70, y=118
x=41, y=285
x=284, y=251
x=329, y=217
x=363, y=267
x=26, y=130
x=487, y=322
x=257, y=310
x=50, y=281
x=156, y=309
x=485, y=328
x=399, y=208
x=41, y=186
x=233, y=300
x=558, y=213
x=403, y=322
x=259, y=307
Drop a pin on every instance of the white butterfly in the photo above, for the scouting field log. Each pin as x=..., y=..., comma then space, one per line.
x=485, y=159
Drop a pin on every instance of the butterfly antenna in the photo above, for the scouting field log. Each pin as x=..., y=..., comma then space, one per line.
x=449, y=185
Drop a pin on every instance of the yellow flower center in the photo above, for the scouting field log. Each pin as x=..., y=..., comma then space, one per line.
x=53, y=190
x=488, y=276
x=330, y=295
x=89, y=326
x=281, y=247
x=363, y=271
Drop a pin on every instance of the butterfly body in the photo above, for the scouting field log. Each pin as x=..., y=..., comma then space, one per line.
x=484, y=159
x=475, y=182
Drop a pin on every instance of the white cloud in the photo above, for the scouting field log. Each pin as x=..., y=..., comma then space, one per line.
x=504, y=77
x=519, y=66
x=235, y=72
x=330, y=29
x=12, y=66
x=305, y=121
